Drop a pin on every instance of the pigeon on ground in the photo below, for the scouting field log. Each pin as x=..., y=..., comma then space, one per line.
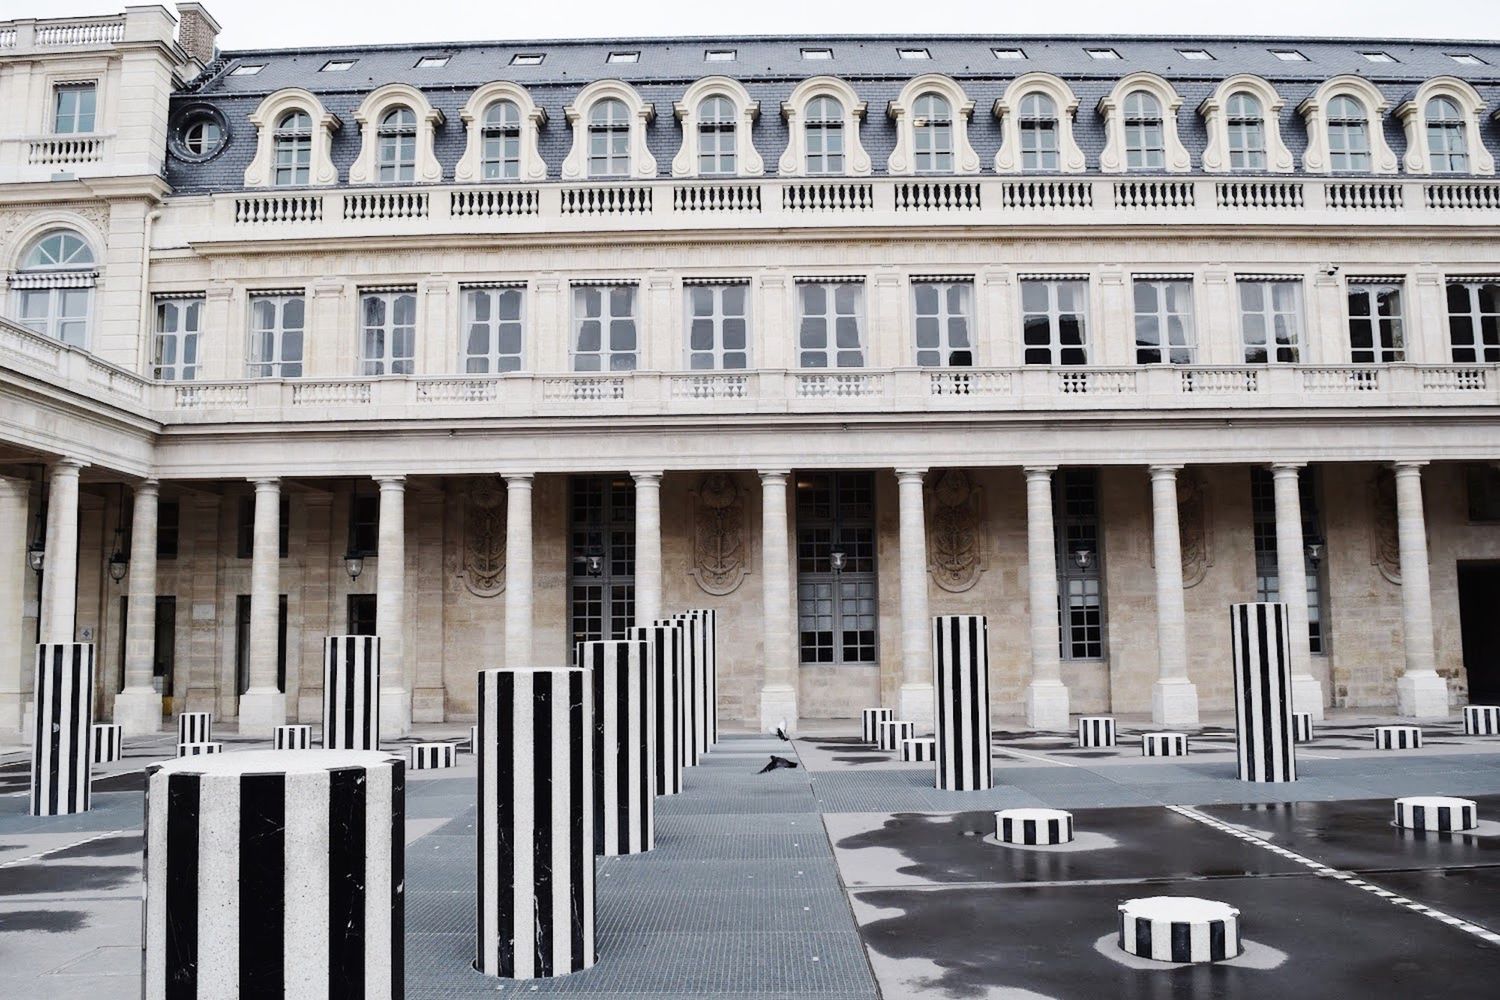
x=777, y=762
x=781, y=732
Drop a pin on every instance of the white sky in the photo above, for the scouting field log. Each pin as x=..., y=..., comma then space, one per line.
x=294, y=23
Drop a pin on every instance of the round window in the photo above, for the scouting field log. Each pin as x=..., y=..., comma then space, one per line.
x=202, y=137
x=199, y=133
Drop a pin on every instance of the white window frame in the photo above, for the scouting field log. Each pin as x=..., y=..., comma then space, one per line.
x=185, y=339
x=79, y=88
x=1348, y=137
x=718, y=137
x=54, y=322
x=1319, y=156
x=1421, y=155
x=500, y=134
x=475, y=165
x=1268, y=313
x=715, y=320
x=943, y=317
x=267, y=118
x=1219, y=155
x=606, y=358
x=830, y=316
x=392, y=153
x=58, y=284
x=495, y=361
x=922, y=139
x=1034, y=125
x=580, y=163
x=292, y=149
x=1145, y=131
x=1377, y=326
x=1485, y=350
x=795, y=159
x=824, y=137
x=933, y=134
x=397, y=154
x=1139, y=137
x=390, y=335
x=1246, y=133
x=1053, y=313
x=743, y=157
x=1162, y=314
x=275, y=364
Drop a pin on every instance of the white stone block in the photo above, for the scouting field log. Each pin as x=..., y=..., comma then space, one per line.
x=351, y=692
x=292, y=737
x=1164, y=745
x=431, y=756
x=890, y=733
x=919, y=748
x=195, y=727
x=1033, y=827
x=870, y=719
x=1482, y=720
x=1436, y=814
x=1096, y=731
x=1302, y=727
x=198, y=749
x=1398, y=738
x=108, y=743
x=1179, y=929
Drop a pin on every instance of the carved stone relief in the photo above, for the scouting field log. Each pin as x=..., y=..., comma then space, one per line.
x=955, y=536
x=1195, y=526
x=1385, y=544
x=482, y=541
x=718, y=535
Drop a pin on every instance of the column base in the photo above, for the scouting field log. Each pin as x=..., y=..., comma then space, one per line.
x=1422, y=695
x=914, y=704
x=261, y=711
x=778, y=704
x=1047, y=706
x=1175, y=703
x=138, y=712
x=395, y=713
x=1307, y=696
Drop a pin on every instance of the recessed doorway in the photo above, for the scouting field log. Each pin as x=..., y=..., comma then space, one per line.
x=1478, y=599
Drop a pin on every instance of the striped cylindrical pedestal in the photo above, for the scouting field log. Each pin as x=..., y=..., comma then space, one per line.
x=351, y=692
x=195, y=727
x=1164, y=745
x=624, y=744
x=1302, y=727
x=666, y=646
x=108, y=742
x=293, y=737
x=1033, y=827
x=473, y=739
x=1179, y=929
x=891, y=732
x=870, y=719
x=961, y=699
x=1261, y=642
x=1096, y=731
x=62, y=721
x=275, y=873
x=702, y=684
x=1482, y=720
x=919, y=748
x=431, y=756
x=199, y=749
x=1436, y=814
x=1398, y=738
x=536, y=822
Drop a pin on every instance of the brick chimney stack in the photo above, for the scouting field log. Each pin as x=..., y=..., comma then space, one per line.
x=197, y=31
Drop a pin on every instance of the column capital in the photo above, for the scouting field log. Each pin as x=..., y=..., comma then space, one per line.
x=392, y=482
x=651, y=476
x=774, y=475
x=518, y=480
x=267, y=485
x=147, y=487
x=68, y=465
x=1287, y=468
x=1039, y=471
x=1409, y=468
x=907, y=475
x=1164, y=471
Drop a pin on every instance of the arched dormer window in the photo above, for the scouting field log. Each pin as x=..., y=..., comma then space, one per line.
x=1348, y=136
x=932, y=128
x=716, y=145
x=1447, y=146
x=609, y=122
x=501, y=123
x=294, y=136
x=1036, y=127
x=932, y=116
x=1243, y=118
x=1145, y=146
x=717, y=117
x=398, y=146
x=1344, y=133
x=609, y=139
x=53, y=286
x=1140, y=117
x=1443, y=134
x=823, y=115
x=397, y=128
x=502, y=141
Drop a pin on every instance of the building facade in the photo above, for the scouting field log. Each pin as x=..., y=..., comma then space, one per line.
x=487, y=348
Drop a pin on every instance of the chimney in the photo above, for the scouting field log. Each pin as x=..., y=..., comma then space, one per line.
x=196, y=32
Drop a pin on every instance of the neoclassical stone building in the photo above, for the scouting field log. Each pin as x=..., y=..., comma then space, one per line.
x=489, y=347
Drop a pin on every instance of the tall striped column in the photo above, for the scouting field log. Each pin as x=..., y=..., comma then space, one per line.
x=275, y=873
x=536, y=822
x=1259, y=634
x=666, y=668
x=703, y=684
x=624, y=745
x=961, y=668
x=63, y=721
x=351, y=692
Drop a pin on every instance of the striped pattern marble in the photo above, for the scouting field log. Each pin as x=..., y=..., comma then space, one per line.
x=1436, y=814
x=1302, y=727
x=1180, y=929
x=891, y=732
x=432, y=756
x=62, y=721
x=1259, y=636
x=1034, y=827
x=1482, y=720
x=624, y=744
x=919, y=748
x=961, y=699
x=108, y=742
x=1164, y=745
x=666, y=656
x=195, y=727
x=199, y=749
x=702, y=684
x=275, y=873
x=1398, y=738
x=351, y=692
x=870, y=718
x=292, y=737
x=1096, y=731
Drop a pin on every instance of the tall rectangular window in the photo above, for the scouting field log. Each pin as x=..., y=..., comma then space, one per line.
x=493, y=330
x=1267, y=577
x=830, y=324
x=1164, y=321
x=1054, y=321
x=364, y=525
x=1270, y=320
x=244, y=535
x=178, y=322
x=168, y=528
x=1080, y=572
x=242, y=642
x=943, y=314
x=718, y=326
x=604, y=328
x=360, y=616
x=277, y=323
x=73, y=108
x=1474, y=319
x=1376, y=322
x=837, y=575
x=388, y=345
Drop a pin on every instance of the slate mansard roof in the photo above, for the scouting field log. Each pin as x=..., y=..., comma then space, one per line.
x=771, y=67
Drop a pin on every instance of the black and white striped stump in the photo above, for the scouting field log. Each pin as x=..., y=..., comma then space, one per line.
x=624, y=745
x=666, y=654
x=919, y=748
x=432, y=756
x=351, y=692
x=701, y=639
x=1482, y=720
x=62, y=728
x=870, y=719
x=1436, y=814
x=961, y=703
x=1260, y=637
x=198, y=749
x=1164, y=745
x=1179, y=929
x=1034, y=827
x=473, y=739
x=536, y=823
x=891, y=732
x=108, y=742
x=1096, y=731
x=1398, y=738
x=292, y=737
x=275, y=874
x=1302, y=727
x=195, y=727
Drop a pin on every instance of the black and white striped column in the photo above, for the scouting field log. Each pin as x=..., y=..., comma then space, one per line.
x=702, y=641
x=62, y=721
x=1034, y=827
x=275, y=873
x=1302, y=727
x=1436, y=814
x=961, y=699
x=292, y=737
x=351, y=692
x=870, y=719
x=919, y=748
x=1398, y=738
x=473, y=739
x=665, y=643
x=431, y=756
x=624, y=744
x=1096, y=731
x=1260, y=637
x=1482, y=720
x=108, y=742
x=536, y=822
x=195, y=727
x=891, y=732
x=1179, y=929
x=199, y=749
x=1164, y=745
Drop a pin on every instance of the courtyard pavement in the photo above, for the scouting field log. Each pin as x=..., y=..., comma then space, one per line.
x=852, y=877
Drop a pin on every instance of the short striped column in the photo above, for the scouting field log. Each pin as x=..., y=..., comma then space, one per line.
x=961, y=699
x=1179, y=929
x=1482, y=720
x=62, y=728
x=702, y=641
x=1436, y=814
x=870, y=719
x=195, y=727
x=1261, y=641
x=891, y=732
x=1096, y=731
x=199, y=749
x=1164, y=745
x=275, y=873
x=351, y=692
x=1034, y=827
x=919, y=748
x=473, y=739
x=536, y=823
x=431, y=756
x=1398, y=738
x=666, y=656
x=292, y=737
x=1302, y=727
x=108, y=742
x=624, y=744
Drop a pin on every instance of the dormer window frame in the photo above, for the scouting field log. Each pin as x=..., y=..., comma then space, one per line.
x=471, y=166
x=267, y=119
x=1413, y=114
x=907, y=158
x=1318, y=158
x=794, y=160
x=640, y=164
x=370, y=167
x=688, y=110
x=1009, y=158
x=1218, y=153
x=1126, y=128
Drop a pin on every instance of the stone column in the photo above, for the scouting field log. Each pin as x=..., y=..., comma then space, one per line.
x=1046, y=695
x=915, y=702
x=518, y=576
x=1291, y=576
x=647, y=547
x=1174, y=698
x=778, y=689
x=390, y=607
x=15, y=511
x=60, y=566
x=1420, y=692
x=263, y=705
x=138, y=706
